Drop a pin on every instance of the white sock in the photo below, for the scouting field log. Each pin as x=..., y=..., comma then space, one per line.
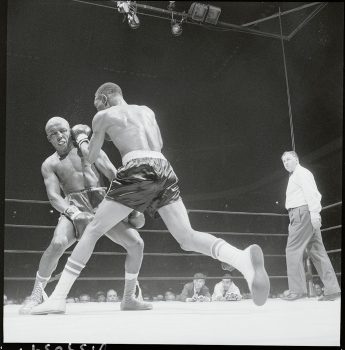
x=42, y=279
x=64, y=285
x=70, y=273
x=131, y=276
x=239, y=259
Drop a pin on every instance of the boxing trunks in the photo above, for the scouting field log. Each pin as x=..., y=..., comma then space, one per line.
x=146, y=181
x=86, y=201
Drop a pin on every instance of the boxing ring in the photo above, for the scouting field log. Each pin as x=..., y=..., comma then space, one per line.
x=302, y=322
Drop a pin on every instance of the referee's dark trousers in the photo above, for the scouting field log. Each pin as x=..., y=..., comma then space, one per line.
x=303, y=236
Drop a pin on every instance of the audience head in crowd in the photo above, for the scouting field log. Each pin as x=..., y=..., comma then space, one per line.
x=318, y=289
x=195, y=291
x=169, y=296
x=100, y=297
x=226, y=290
x=84, y=298
x=112, y=296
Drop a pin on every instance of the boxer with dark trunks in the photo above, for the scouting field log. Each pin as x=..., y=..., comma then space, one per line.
x=146, y=181
x=68, y=171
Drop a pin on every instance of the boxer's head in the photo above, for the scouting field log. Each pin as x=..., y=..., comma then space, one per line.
x=290, y=160
x=58, y=133
x=107, y=95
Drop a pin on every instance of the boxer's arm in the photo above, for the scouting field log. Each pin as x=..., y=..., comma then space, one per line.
x=105, y=166
x=52, y=184
x=97, y=138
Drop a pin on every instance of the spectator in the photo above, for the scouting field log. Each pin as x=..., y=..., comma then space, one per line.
x=5, y=299
x=112, y=296
x=100, y=297
x=147, y=297
x=246, y=295
x=160, y=297
x=226, y=290
x=169, y=296
x=84, y=298
x=196, y=290
x=318, y=290
x=70, y=300
x=27, y=298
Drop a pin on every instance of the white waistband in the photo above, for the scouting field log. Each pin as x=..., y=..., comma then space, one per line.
x=141, y=154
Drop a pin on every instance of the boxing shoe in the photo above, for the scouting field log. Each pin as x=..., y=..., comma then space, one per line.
x=329, y=297
x=255, y=274
x=131, y=304
x=293, y=296
x=35, y=299
x=50, y=306
x=27, y=306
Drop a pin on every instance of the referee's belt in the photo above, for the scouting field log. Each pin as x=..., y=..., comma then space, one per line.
x=301, y=206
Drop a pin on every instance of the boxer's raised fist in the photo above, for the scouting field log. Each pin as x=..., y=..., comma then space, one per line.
x=80, y=133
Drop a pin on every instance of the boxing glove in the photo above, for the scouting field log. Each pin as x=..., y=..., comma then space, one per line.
x=80, y=133
x=136, y=219
x=79, y=219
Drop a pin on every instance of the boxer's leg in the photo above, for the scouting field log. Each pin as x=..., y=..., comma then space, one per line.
x=130, y=239
x=249, y=262
x=109, y=213
x=64, y=237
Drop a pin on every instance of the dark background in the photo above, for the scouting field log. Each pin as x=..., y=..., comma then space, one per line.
x=219, y=98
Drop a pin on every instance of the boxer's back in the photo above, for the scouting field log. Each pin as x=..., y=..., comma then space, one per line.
x=132, y=127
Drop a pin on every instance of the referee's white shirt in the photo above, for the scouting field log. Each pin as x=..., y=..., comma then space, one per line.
x=302, y=190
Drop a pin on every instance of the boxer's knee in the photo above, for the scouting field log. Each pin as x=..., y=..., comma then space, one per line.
x=187, y=240
x=135, y=246
x=58, y=245
x=93, y=231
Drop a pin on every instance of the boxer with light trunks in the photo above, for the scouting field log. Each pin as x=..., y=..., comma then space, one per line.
x=68, y=171
x=146, y=181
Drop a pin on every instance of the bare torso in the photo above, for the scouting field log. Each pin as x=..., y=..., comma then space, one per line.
x=132, y=127
x=71, y=171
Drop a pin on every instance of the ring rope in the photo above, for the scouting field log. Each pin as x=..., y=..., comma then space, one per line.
x=16, y=251
x=166, y=231
x=233, y=212
x=17, y=200
x=146, y=278
x=161, y=231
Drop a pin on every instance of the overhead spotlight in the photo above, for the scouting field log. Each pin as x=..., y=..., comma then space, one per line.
x=176, y=27
x=129, y=9
x=133, y=20
x=171, y=5
x=204, y=13
x=123, y=6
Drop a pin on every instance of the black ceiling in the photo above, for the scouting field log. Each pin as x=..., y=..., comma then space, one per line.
x=219, y=96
